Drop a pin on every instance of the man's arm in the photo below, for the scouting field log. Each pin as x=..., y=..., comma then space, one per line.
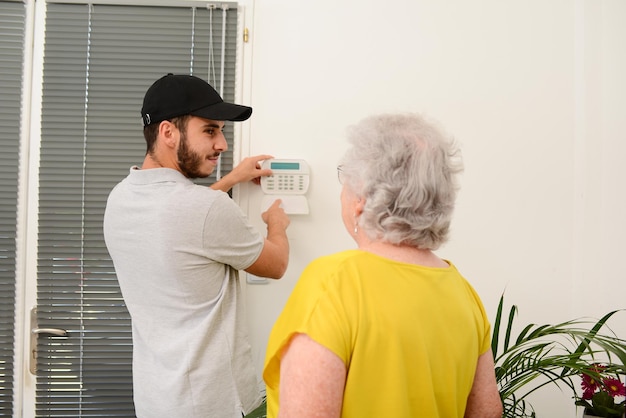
x=274, y=257
x=248, y=169
x=484, y=399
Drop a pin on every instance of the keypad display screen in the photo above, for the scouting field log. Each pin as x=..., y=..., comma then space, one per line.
x=284, y=166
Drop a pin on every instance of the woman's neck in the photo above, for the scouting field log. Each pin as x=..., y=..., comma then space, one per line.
x=403, y=253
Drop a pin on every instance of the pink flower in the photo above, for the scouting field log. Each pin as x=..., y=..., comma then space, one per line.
x=589, y=383
x=599, y=392
x=614, y=387
x=588, y=394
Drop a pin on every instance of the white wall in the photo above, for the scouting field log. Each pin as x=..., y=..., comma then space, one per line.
x=534, y=92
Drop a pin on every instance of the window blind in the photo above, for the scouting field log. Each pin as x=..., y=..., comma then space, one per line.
x=99, y=60
x=12, y=22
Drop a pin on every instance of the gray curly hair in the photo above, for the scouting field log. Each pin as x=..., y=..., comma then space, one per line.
x=406, y=170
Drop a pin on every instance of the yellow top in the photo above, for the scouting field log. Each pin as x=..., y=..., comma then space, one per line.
x=409, y=335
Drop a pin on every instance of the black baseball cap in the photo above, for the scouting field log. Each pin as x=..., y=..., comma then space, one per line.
x=177, y=95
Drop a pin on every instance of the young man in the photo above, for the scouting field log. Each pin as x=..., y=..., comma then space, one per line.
x=177, y=248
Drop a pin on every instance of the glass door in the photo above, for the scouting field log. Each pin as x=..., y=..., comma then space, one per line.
x=95, y=63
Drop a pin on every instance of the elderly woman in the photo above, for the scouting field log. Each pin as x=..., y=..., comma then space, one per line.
x=388, y=329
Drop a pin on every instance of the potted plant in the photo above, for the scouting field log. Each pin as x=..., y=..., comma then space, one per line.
x=542, y=355
x=600, y=388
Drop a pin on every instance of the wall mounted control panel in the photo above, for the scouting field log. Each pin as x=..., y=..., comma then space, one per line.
x=289, y=182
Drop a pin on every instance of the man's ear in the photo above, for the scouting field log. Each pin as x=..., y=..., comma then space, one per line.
x=168, y=133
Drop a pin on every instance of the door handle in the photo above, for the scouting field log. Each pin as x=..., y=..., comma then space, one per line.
x=54, y=331
x=34, y=334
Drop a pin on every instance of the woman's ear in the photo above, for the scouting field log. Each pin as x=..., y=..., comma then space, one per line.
x=359, y=205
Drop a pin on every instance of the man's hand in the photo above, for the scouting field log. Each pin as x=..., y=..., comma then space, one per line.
x=275, y=217
x=248, y=169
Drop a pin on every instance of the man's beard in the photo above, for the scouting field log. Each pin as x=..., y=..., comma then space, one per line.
x=189, y=161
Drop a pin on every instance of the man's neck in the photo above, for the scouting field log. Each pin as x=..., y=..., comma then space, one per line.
x=151, y=161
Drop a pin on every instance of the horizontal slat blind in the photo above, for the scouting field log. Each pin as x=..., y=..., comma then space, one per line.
x=12, y=22
x=98, y=62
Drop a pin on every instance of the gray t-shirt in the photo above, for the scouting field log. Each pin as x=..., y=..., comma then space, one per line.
x=177, y=248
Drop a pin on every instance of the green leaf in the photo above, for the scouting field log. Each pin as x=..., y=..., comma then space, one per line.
x=496, y=328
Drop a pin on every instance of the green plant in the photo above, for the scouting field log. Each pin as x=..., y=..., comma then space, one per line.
x=541, y=355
